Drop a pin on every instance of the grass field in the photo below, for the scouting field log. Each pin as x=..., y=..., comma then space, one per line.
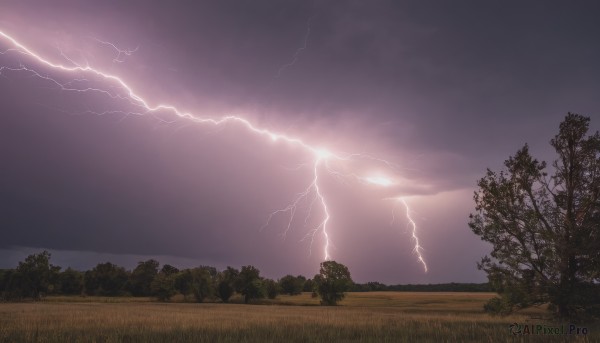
x=361, y=317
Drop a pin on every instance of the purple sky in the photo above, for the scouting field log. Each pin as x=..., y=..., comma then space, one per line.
x=441, y=90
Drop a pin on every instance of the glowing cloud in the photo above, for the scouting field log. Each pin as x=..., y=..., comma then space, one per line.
x=379, y=180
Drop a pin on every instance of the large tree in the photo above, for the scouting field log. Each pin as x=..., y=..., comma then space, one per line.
x=544, y=226
x=183, y=282
x=332, y=282
x=226, y=283
x=70, y=281
x=292, y=285
x=163, y=285
x=203, y=285
x=35, y=276
x=105, y=279
x=272, y=288
x=142, y=276
x=250, y=284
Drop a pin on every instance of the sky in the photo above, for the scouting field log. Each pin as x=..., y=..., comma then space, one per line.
x=422, y=94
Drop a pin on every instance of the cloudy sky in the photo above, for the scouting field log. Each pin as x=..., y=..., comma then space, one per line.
x=426, y=94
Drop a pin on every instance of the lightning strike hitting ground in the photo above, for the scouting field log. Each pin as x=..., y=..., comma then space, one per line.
x=385, y=182
x=321, y=156
x=417, y=249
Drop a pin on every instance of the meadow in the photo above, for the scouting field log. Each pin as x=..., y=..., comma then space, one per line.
x=361, y=317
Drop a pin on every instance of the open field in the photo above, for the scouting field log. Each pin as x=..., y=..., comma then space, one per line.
x=362, y=317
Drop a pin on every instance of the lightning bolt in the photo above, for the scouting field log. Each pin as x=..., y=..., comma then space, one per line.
x=418, y=248
x=299, y=50
x=120, y=53
x=321, y=156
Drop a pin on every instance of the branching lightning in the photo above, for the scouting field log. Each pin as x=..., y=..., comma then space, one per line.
x=120, y=53
x=385, y=182
x=313, y=193
x=299, y=50
x=418, y=248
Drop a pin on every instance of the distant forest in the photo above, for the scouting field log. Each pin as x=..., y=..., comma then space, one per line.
x=37, y=277
x=439, y=287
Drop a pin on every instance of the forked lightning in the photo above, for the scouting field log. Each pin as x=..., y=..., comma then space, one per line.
x=320, y=163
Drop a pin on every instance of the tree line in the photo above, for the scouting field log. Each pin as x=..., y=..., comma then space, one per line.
x=440, y=287
x=36, y=277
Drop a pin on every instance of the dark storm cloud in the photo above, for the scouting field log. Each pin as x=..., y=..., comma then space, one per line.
x=443, y=89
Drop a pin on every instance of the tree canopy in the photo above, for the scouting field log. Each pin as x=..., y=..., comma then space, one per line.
x=226, y=283
x=332, y=282
x=292, y=285
x=544, y=226
x=35, y=275
x=249, y=284
x=141, y=277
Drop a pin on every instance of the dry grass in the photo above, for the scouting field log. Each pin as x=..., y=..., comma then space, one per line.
x=362, y=317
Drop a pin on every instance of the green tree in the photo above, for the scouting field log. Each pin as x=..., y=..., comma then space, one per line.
x=256, y=289
x=183, y=282
x=332, y=282
x=11, y=285
x=249, y=284
x=272, y=288
x=226, y=282
x=5, y=274
x=36, y=276
x=544, y=226
x=309, y=286
x=292, y=285
x=141, y=277
x=105, y=279
x=163, y=286
x=168, y=270
x=202, y=283
x=70, y=281
x=212, y=271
